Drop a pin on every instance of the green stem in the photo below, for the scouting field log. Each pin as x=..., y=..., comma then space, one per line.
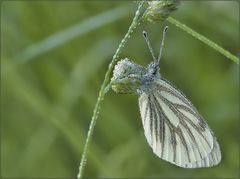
x=204, y=39
x=133, y=25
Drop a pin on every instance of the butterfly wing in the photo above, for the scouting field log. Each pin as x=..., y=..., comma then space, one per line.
x=175, y=130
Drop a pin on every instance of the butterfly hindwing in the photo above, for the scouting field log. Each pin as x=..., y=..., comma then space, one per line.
x=175, y=130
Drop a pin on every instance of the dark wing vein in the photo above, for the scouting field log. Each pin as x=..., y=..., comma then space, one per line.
x=183, y=118
x=169, y=124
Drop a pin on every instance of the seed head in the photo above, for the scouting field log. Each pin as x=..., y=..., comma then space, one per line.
x=158, y=11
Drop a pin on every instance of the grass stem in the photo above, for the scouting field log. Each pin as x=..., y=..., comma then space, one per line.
x=204, y=39
x=133, y=25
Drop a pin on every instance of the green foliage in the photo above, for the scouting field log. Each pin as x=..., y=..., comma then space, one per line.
x=47, y=97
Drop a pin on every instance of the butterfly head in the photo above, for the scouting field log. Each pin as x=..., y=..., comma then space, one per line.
x=127, y=77
x=153, y=70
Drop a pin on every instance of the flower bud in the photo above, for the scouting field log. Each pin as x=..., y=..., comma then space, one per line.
x=127, y=77
x=158, y=11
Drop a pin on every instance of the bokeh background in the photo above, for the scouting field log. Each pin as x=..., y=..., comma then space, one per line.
x=54, y=55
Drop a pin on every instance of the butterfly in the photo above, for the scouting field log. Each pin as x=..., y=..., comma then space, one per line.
x=173, y=127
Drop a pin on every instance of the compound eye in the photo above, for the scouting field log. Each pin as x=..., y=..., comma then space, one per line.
x=154, y=71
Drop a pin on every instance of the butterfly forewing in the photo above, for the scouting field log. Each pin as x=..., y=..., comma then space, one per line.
x=175, y=130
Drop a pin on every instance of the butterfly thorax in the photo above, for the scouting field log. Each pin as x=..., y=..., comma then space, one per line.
x=150, y=78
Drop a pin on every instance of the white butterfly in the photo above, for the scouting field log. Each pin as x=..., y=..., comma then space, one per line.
x=173, y=127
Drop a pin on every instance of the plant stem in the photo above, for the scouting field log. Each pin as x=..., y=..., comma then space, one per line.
x=204, y=39
x=133, y=25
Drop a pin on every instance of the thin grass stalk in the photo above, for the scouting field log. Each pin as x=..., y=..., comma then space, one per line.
x=102, y=93
x=204, y=39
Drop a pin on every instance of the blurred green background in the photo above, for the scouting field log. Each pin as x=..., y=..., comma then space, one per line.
x=54, y=55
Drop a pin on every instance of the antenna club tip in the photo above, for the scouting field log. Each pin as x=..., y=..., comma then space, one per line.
x=166, y=28
x=144, y=33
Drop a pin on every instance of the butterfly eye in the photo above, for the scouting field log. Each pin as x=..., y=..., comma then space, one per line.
x=154, y=71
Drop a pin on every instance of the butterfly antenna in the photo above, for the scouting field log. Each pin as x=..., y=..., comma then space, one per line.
x=149, y=45
x=162, y=44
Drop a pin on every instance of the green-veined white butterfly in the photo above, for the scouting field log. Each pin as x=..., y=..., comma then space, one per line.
x=173, y=127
